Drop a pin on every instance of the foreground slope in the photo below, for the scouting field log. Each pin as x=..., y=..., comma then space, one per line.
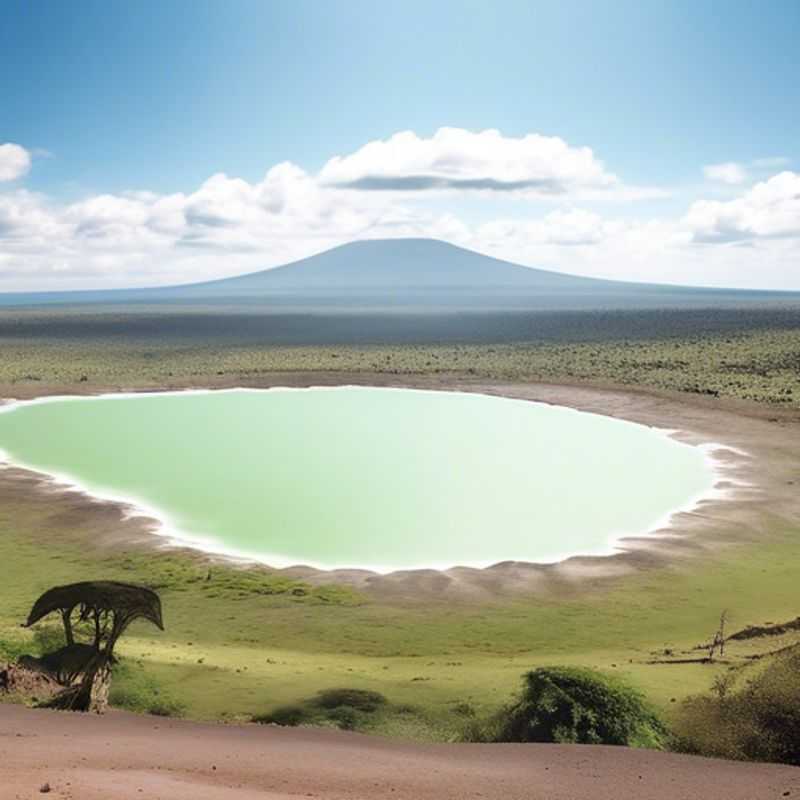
x=125, y=756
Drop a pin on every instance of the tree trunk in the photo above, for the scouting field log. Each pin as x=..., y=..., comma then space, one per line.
x=99, y=688
x=91, y=694
x=66, y=618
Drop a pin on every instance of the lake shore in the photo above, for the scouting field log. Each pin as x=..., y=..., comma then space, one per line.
x=558, y=430
x=131, y=756
x=761, y=484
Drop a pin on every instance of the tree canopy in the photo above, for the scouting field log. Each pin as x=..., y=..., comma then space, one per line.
x=124, y=600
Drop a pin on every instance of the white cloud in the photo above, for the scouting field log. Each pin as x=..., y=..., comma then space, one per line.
x=770, y=209
x=733, y=173
x=228, y=225
x=15, y=161
x=457, y=159
x=729, y=172
x=573, y=226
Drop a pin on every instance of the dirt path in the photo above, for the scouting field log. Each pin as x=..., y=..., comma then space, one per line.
x=128, y=756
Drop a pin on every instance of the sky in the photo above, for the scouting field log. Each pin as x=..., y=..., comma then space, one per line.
x=169, y=141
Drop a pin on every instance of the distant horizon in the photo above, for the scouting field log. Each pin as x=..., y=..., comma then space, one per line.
x=350, y=244
x=665, y=150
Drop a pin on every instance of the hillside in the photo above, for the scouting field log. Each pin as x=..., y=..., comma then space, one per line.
x=403, y=264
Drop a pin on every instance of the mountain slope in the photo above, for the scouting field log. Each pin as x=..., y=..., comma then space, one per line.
x=407, y=274
x=402, y=264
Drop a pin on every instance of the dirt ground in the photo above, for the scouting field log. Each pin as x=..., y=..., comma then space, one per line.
x=121, y=756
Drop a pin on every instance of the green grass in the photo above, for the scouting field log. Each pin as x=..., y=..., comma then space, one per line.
x=245, y=642
x=135, y=688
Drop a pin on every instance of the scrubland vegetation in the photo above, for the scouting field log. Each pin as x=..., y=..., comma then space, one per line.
x=754, y=358
x=241, y=643
x=569, y=705
x=246, y=643
x=753, y=718
x=348, y=709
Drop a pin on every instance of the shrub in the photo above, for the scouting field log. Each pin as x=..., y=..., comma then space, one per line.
x=345, y=708
x=360, y=699
x=165, y=707
x=345, y=717
x=570, y=705
x=290, y=716
x=759, y=722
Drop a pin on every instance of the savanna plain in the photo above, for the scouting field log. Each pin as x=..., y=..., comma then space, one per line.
x=443, y=650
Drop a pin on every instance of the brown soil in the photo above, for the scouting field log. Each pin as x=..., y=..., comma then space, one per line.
x=20, y=683
x=122, y=756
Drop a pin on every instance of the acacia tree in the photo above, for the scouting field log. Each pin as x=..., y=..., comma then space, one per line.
x=109, y=607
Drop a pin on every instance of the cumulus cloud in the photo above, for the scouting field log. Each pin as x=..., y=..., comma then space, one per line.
x=228, y=225
x=15, y=161
x=770, y=209
x=578, y=240
x=729, y=172
x=572, y=227
x=733, y=173
x=457, y=159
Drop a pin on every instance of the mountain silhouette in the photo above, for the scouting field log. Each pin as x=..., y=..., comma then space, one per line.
x=412, y=274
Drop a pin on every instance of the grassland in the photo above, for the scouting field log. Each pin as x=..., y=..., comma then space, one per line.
x=755, y=358
x=241, y=642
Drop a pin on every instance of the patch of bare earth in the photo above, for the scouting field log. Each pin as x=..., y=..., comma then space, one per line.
x=121, y=756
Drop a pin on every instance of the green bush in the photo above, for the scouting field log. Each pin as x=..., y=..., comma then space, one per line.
x=360, y=699
x=570, y=705
x=758, y=722
x=345, y=717
x=345, y=708
x=291, y=716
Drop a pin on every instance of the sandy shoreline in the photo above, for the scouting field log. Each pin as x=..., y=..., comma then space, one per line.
x=122, y=755
x=762, y=482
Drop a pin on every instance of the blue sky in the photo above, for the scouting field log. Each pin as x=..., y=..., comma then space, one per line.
x=681, y=104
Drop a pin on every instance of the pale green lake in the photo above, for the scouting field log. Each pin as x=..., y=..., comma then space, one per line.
x=365, y=477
